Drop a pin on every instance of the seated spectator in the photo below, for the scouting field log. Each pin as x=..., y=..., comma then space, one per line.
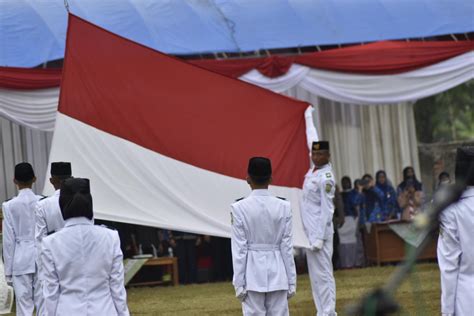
x=410, y=200
x=204, y=259
x=184, y=248
x=164, y=245
x=345, y=194
x=409, y=174
x=347, y=233
x=443, y=179
x=374, y=198
x=357, y=201
x=390, y=209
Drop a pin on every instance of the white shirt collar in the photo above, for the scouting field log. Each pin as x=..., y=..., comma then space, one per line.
x=326, y=166
x=260, y=192
x=78, y=221
x=25, y=191
x=468, y=192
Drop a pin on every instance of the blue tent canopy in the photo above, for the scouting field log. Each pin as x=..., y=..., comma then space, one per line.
x=33, y=32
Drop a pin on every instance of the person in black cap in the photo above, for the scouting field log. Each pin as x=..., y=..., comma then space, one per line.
x=48, y=213
x=82, y=263
x=19, y=240
x=317, y=209
x=262, y=246
x=455, y=244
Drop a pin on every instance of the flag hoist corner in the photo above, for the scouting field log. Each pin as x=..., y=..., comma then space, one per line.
x=166, y=143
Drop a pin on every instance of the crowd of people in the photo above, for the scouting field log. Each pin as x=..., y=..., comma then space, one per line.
x=368, y=200
x=201, y=258
x=59, y=262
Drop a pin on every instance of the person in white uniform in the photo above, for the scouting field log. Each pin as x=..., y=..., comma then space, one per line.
x=262, y=246
x=19, y=248
x=455, y=243
x=48, y=215
x=6, y=292
x=82, y=263
x=317, y=209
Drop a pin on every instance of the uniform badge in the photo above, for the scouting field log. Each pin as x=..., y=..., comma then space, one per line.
x=328, y=175
x=328, y=187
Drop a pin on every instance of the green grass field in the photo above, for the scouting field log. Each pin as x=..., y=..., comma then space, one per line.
x=418, y=296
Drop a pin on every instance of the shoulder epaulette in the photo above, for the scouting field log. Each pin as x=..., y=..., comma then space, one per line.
x=43, y=197
x=281, y=198
x=239, y=199
x=7, y=200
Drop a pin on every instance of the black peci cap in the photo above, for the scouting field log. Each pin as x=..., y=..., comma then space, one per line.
x=24, y=172
x=321, y=145
x=260, y=167
x=61, y=169
x=75, y=198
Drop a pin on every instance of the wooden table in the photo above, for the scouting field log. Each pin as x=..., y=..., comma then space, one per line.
x=383, y=245
x=170, y=262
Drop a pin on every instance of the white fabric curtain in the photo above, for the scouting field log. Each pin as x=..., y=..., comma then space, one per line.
x=31, y=108
x=17, y=144
x=37, y=108
x=365, y=139
x=373, y=89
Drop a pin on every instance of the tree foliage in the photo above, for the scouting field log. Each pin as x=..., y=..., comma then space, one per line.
x=448, y=116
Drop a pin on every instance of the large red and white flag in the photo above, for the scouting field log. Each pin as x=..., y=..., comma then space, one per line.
x=166, y=143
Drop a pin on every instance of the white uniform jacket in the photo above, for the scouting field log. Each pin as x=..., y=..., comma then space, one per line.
x=83, y=271
x=48, y=217
x=262, y=243
x=456, y=256
x=19, y=248
x=317, y=207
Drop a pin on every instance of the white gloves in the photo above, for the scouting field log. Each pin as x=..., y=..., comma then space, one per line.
x=291, y=291
x=8, y=278
x=309, y=112
x=317, y=245
x=241, y=293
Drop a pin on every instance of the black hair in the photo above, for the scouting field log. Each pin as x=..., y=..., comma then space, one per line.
x=260, y=180
x=367, y=175
x=25, y=183
x=443, y=174
x=405, y=173
x=464, y=169
x=346, y=178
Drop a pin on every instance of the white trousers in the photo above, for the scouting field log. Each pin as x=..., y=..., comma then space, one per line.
x=266, y=304
x=39, y=298
x=322, y=278
x=26, y=287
